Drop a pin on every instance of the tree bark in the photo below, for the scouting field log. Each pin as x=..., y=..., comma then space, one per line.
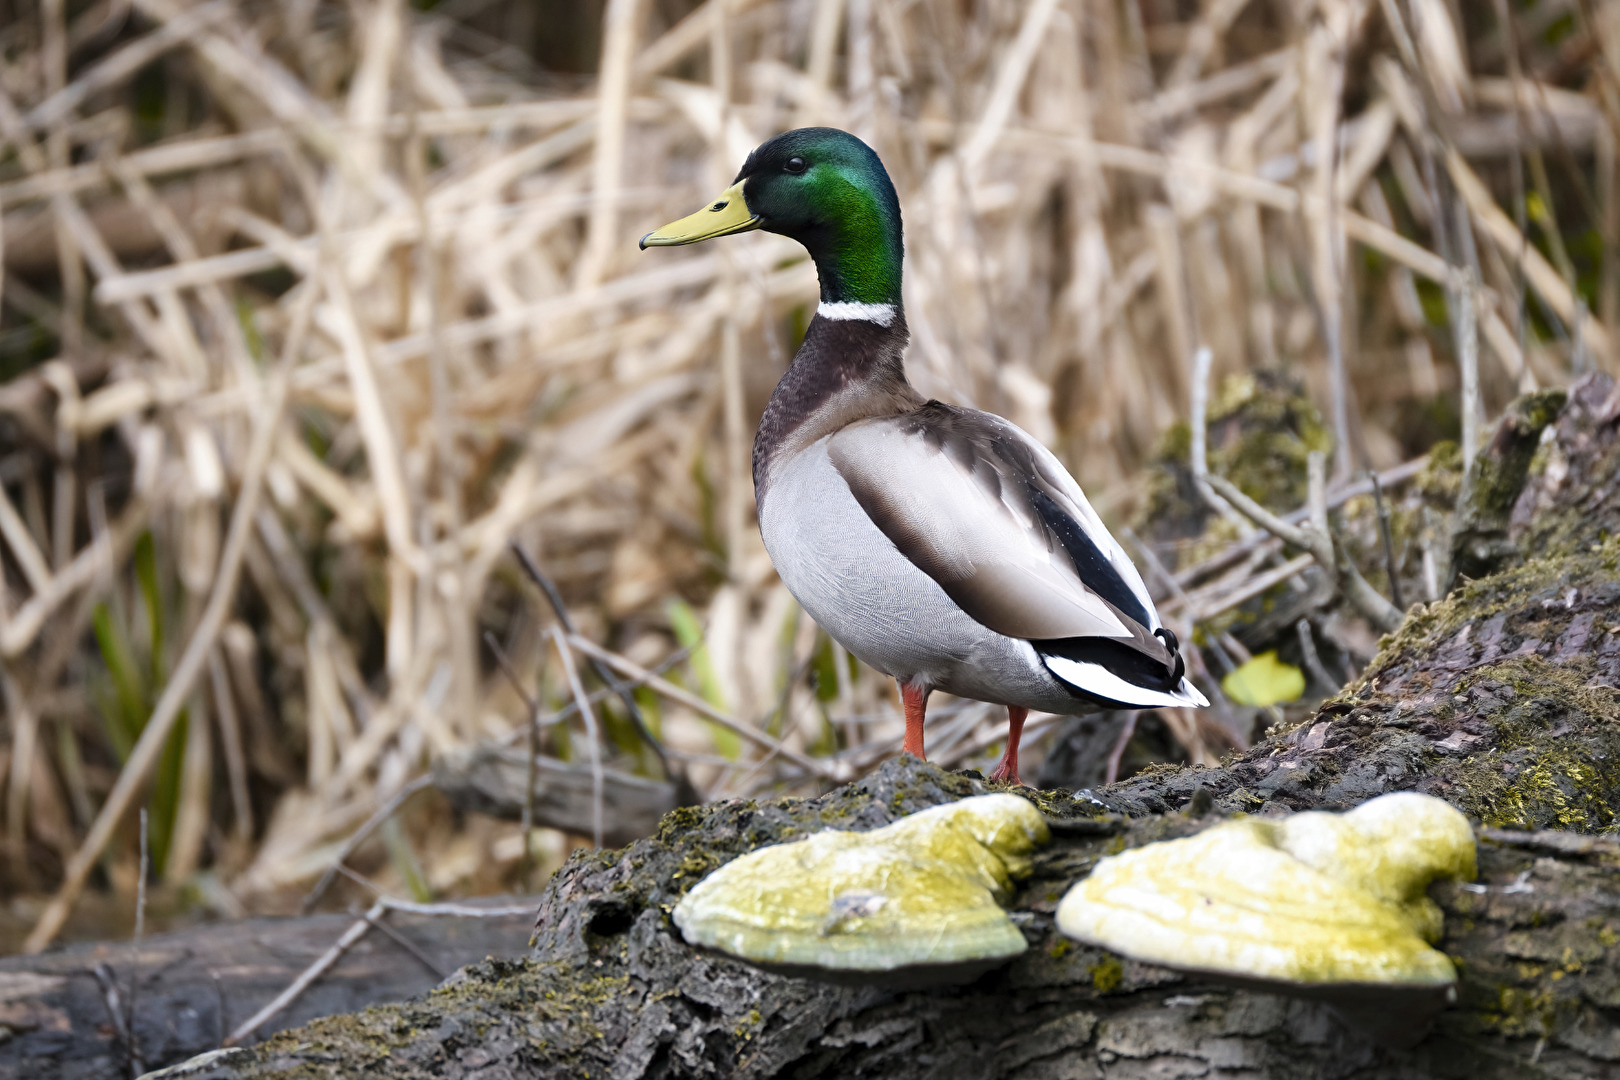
x=1500, y=699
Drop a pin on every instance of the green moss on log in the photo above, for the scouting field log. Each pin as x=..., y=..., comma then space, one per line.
x=1532, y=780
x=1480, y=536
x=1572, y=498
x=1260, y=430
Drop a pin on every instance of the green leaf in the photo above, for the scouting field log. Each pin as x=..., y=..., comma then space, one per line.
x=562, y=742
x=1263, y=681
x=651, y=709
x=824, y=665
x=406, y=863
x=689, y=632
x=1536, y=209
x=619, y=728
x=171, y=770
x=248, y=320
x=146, y=576
x=126, y=710
x=135, y=670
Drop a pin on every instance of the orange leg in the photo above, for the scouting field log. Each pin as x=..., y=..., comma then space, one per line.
x=1006, y=769
x=916, y=701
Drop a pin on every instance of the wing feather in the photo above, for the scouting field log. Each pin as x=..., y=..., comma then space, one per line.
x=983, y=509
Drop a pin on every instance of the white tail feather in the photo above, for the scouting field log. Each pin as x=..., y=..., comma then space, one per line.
x=1099, y=682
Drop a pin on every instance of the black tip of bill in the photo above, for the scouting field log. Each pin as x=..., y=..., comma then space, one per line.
x=643, y=244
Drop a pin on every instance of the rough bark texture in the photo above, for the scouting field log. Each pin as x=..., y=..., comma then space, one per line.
x=192, y=986
x=1500, y=699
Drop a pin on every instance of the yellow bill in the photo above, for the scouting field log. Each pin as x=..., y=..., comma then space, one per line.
x=727, y=214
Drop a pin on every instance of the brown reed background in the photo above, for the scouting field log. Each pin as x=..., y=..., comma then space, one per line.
x=310, y=309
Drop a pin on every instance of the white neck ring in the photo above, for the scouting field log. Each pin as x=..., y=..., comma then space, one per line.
x=844, y=310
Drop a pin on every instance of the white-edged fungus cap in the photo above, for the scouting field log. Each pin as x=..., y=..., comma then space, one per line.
x=923, y=891
x=1316, y=899
x=1390, y=847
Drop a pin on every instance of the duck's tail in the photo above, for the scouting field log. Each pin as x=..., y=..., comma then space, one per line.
x=1116, y=674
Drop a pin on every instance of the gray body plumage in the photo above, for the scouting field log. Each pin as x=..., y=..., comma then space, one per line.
x=874, y=601
x=945, y=546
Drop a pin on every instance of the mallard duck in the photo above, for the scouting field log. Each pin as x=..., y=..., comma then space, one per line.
x=942, y=546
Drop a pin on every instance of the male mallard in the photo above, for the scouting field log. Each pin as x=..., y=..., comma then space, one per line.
x=941, y=545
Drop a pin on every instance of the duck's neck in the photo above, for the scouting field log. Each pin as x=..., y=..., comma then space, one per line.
x=848, y=219
x=849, y=368
x=858, y=251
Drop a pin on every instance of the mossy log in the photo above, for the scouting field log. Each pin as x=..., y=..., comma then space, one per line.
x=1501, y=699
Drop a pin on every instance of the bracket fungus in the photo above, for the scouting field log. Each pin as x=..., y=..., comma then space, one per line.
x=915, y=901
x=1328, y=906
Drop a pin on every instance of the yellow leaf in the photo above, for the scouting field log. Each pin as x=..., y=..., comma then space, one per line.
x=1265, y=680
x=1536, y=208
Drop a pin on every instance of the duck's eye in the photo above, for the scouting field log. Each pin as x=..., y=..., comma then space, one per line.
x=795, y=165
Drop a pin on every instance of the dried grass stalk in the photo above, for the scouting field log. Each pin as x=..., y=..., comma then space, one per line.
x=442, y=252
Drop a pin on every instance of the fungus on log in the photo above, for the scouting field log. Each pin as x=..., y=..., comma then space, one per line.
x=1331, y=907
x=1500, y=700
x=916, y=902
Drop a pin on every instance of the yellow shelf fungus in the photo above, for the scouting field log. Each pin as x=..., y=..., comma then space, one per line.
x=1316, y=900
x=922, y=892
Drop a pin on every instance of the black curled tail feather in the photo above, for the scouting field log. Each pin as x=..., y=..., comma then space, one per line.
x=1123, y=658
x=1178, y=666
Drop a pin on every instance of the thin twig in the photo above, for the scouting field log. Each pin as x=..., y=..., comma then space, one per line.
x=399, y=939
x=437, y=908
x=122, y=64
x=1200, y=414
x=415, y=950
x=1117, y=754
x=1362, y=596
x=532, y=729
x=140, y=932
x=113, y=1000
x=140, y=883
x=1195, y=658
x=1251, y=588
x=1316, y=492
x=570, y=710
x=782, y=700
x=563, y=641
x=1336, y=498
x=625, y=691
x=1388, y=541
x=1468, y=361
x=360, y=835
x=1310, y=656
x=683, y=697
x=230, y=730
x=1203, y=360
x=307, y=977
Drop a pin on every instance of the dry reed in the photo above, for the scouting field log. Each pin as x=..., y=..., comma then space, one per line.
x=309, y=310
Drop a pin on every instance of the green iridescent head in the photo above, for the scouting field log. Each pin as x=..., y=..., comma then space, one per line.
x=824, y=188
